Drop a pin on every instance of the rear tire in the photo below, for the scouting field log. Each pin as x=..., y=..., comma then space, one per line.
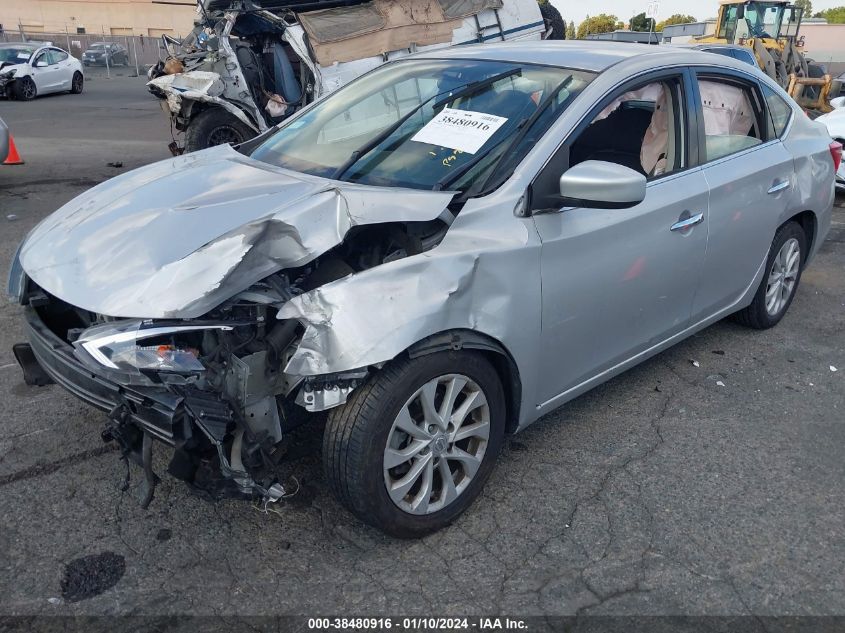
x=215, y=126
x=780, y=283
x=366, y=432
x=77, y=83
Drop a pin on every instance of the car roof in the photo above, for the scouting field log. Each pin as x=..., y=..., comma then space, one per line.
x=589, y=55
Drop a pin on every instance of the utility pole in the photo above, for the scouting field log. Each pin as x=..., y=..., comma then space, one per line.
x=67, y=35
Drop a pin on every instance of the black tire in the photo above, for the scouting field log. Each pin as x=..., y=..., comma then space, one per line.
x=215, y=126
x=77, y=83
x=25, y=89
x=357, y=433
x=756, y=315
x=554, y=20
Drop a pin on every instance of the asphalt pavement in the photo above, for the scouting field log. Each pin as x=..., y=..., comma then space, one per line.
x=662, y=492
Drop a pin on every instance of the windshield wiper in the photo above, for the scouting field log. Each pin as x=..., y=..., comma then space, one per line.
x=359, y=153
x=523, y=128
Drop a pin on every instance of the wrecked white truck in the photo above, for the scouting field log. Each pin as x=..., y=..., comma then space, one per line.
x=248, y=65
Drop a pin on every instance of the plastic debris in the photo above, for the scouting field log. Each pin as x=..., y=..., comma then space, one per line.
x=720, y=383
x=11, y=217
x=718, y=352
x=695, y=363
x=832, y=368
x=116, y=164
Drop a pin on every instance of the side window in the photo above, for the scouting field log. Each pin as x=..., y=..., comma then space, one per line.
x=57, y=55
x=642, y=128
x=732, y=117
x=780, y=113
x=43, y=56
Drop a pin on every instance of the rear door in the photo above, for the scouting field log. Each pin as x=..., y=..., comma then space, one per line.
x=64, y=76
x=750, y=174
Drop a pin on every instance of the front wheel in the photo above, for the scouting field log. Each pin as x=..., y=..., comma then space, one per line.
x=213, y=127
x=25, y=89
x=779, y=284
x=413, y=447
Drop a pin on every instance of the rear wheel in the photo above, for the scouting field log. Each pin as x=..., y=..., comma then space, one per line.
x=25, y=89
x=213, y=127
x=77, y=83
x=412, y=448
x=777, y=289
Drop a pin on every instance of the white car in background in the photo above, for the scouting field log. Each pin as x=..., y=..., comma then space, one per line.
x=835, y=123
x=29, y=69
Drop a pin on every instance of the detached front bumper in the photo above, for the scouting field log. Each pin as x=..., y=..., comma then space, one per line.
x=158, y=412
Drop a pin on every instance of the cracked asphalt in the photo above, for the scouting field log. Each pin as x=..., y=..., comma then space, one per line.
x=659, y=493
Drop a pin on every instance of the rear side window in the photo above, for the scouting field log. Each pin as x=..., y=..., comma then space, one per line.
x=732, y=117
x=57, y=55
x=780, y=113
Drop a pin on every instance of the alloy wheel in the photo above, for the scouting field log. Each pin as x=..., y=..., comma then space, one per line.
x=783, y=276
x=28, y=88
x=436, y=444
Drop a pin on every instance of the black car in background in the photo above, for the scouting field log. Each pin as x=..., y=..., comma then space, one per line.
x=98, y=52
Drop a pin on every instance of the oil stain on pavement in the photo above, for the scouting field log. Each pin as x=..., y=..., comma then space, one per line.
x=90, y=576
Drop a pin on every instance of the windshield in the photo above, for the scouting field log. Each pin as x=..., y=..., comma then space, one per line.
x=16, y=54
x=426, y=124
x=760, y=19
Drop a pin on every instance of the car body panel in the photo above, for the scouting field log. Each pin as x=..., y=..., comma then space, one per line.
x=619, y=272
x=210, y=224
x=4, y=141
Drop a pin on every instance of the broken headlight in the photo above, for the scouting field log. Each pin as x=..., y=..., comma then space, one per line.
x=143, y=345
x=8, y=74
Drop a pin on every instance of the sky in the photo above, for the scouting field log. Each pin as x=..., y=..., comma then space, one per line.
x=625, y=9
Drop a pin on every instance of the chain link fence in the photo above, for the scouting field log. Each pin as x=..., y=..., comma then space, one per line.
x=141, y=51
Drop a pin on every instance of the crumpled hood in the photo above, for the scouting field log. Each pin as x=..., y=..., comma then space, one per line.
x=179, y=237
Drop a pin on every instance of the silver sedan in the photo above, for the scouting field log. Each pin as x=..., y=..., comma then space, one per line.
x=437, y=254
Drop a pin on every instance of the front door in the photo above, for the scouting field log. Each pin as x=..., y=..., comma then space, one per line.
x=618, y=282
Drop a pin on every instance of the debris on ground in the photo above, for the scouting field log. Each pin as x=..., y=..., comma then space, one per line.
x=695, y=363
x=116, y=164
x=11, y=217
x=832, y=368
x=719, y=383
x=718, y=352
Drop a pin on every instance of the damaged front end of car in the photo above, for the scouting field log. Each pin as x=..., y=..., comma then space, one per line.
x=184, y=341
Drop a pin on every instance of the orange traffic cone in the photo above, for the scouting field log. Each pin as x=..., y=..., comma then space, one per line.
x=13, y=158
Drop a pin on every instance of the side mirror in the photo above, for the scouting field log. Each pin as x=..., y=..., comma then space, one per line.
x=41, y=64
x=596, y=184
x=740, y=12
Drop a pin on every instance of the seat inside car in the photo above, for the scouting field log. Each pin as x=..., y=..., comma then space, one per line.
x=617, y=139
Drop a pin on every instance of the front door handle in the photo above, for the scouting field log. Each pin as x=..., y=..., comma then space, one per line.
x=780, y=186
x=687, y=223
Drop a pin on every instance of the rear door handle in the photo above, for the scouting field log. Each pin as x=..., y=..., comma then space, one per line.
x=687, y=223
x=779, y=187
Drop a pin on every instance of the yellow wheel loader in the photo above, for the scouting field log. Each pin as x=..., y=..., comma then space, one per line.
x=771, y=31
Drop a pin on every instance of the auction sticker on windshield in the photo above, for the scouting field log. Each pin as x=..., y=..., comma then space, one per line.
x=462, y=130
